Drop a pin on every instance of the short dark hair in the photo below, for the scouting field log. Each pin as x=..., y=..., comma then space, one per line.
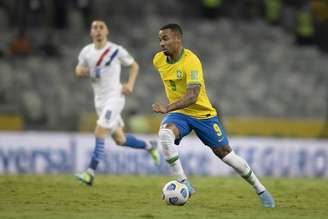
x=174, y=27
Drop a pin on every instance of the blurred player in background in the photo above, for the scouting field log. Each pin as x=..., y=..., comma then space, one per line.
x=102, y=61
x=190, y=109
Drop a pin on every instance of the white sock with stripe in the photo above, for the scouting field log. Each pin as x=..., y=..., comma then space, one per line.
x=171, y=154
x=243, y=169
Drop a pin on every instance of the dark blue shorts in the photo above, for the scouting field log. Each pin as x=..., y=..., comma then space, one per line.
x=209, y=131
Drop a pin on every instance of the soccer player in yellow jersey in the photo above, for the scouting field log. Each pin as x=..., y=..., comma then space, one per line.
x=190, y=109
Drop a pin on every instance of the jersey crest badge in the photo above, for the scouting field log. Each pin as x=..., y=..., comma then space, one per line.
x=179, y=74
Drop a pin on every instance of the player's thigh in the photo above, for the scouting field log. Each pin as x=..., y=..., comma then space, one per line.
x=110, y=114
x=210, y=132
x=180, y=121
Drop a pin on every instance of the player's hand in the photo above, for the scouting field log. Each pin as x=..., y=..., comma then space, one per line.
x=160, y=108
x=127, y=90
x=82, y=71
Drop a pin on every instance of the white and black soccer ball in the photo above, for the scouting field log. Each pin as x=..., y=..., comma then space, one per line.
x=175, y=193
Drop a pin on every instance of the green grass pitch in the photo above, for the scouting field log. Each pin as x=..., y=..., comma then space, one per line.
x=61, y=196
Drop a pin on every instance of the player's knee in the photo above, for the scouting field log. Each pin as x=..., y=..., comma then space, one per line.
x=101, y=132
x=120, y=140
x=166, y=136
x=221, y=152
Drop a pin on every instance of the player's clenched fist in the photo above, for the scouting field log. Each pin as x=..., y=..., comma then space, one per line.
x=126, y=90
x=160, y=108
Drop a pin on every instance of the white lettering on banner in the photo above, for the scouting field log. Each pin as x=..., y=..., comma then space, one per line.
x=39, y=152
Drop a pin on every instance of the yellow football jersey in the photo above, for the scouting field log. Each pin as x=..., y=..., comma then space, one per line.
x=176, y=76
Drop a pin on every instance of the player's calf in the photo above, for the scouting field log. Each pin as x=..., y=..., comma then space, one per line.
x=87, y=177
x=170, y=153
x=243, y=169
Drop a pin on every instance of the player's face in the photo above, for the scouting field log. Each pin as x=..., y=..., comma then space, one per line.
x=169, y=42
x=99, y=31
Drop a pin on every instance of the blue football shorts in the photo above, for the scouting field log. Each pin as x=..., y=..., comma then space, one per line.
x=209, y=131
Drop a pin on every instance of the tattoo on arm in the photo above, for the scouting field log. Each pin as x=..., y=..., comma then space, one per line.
x=188, y=99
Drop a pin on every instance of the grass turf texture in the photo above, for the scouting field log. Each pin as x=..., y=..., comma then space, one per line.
x=61, y=196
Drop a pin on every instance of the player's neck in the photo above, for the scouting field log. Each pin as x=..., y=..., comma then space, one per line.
x=101, y=44
x=175, y=57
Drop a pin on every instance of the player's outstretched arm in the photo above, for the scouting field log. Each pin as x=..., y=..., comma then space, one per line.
x=81, y=71
x=188, y=99
x=128, y=87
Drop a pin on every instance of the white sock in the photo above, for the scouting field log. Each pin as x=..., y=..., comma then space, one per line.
x=177, y=170
x=171, y=154
x=243, y=169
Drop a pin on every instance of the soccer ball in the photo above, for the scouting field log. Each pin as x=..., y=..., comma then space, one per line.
x=175, y=193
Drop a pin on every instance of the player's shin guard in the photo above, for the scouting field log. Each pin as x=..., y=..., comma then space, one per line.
x=243, y=169
x=98, y=153
x=170, y=153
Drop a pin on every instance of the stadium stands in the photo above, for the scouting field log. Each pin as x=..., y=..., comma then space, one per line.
x=252, y=69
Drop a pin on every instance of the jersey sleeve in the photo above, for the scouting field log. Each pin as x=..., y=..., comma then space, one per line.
x=156, y=60
x=125, y=58
x=193, y=70
x=82, y=60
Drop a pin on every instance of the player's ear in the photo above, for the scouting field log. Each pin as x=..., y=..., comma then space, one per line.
x=178, y=37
